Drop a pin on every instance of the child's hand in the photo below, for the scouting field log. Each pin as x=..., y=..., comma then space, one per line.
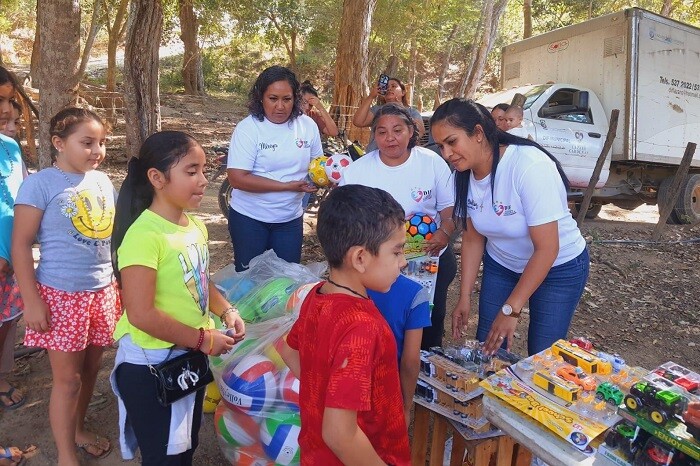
x=216, y=343
x=235, y=325
x=37, y=316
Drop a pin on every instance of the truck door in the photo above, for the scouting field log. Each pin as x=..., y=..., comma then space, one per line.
x=571, y=124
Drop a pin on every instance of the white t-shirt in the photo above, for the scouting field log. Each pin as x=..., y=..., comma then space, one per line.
x=520, y=131
x=528, y=191
x=281, y=152
x=423, y=183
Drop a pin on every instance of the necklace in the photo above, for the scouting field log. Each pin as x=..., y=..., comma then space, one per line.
x=347, y=288
x=9, y=158
x=6, y=195
x=103, y=200
x=483, y=197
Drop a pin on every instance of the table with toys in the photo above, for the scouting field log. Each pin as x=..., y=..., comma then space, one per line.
x=574, y=405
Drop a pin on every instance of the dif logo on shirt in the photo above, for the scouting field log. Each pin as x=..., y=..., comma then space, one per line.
x=500, y=208
x=419, y=195
x=302, y=143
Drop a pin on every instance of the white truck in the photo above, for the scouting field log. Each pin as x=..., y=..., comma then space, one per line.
x=645, y=65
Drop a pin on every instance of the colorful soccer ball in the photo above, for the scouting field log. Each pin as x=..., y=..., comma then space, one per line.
x=227, y=361
x=317, y=172
x=289, y=389
x=234, y=428
x=267, y=300
x=279, y=435
x=335, y=165
x=421, y=226
x=251, y=386
x=297, y=298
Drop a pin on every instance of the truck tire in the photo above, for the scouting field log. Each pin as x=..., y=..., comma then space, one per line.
x=688, y=203
x=661, y=196
x=633, y=403
x=658, y=417
x=224, y=197
x=593, y=210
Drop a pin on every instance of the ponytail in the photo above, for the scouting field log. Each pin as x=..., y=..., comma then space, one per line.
x=161, y=151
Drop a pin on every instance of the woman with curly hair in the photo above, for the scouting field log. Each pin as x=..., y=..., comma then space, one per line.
x=268, y=160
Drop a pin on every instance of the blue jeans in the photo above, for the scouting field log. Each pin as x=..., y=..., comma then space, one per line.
x=252, y=237
x=552, y=305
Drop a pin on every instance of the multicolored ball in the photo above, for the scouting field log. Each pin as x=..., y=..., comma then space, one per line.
x=317, y=172
x=297, y=298
x=247, y=456
x=421, y=226
x=212, y=396
x=267, y=300
x=289, y=389
x=335, y=165
x=251, y=386
x=235, y=429
x=279, y=435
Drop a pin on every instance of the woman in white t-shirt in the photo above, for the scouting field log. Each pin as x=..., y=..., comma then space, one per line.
x=421, y=182
x=511, y=200
x=268, y=160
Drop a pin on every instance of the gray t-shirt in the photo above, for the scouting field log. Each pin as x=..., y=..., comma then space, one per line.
x=76, y=228
x=415, y=114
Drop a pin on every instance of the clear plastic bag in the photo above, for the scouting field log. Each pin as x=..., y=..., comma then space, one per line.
x=257, y=420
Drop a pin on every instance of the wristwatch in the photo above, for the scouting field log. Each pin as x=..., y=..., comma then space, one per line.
x=507, y=310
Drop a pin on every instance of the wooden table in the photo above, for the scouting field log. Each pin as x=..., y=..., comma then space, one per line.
x=542, y=442
x=503, y=449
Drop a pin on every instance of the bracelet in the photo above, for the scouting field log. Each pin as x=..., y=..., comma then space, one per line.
x=211, y=342
x=228, y=311
x=201, y=339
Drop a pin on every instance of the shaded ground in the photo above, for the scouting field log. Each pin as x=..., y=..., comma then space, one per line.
x=641, y=300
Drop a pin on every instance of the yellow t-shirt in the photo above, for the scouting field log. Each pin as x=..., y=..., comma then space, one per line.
x=180, y=256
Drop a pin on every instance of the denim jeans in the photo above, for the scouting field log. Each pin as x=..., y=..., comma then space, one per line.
x=552, y=305
x=432, y=336
x=252, y=237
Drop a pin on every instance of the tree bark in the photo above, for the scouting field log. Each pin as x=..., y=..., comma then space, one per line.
x=192, y=74
x=527, y=19
x=35, y=66
x=667, y=8
x=449, y=44
x=490, y=16
x=115, y=32
x=60, y=52
x=392, y=65
x=351, y=66
x=141, y=89
x=92, y=34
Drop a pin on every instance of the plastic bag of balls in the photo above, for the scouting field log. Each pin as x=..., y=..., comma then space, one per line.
x=257, y=421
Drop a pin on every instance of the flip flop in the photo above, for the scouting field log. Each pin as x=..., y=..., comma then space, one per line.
x=8, y=455
x=12, y=404
x=96, y=444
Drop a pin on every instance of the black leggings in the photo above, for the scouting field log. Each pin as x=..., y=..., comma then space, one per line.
x=150, y=420
x=432, y=336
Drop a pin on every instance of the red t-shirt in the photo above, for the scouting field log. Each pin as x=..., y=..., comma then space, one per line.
x=348, y=361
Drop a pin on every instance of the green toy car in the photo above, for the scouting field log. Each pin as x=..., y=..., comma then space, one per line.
x=610, y=393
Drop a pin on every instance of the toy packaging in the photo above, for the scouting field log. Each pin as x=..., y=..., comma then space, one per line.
x=572, y=391
x=421, y=267
x=257, y=421
x=449, y=385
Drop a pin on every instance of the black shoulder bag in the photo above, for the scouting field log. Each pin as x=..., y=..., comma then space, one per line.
x=178, y=377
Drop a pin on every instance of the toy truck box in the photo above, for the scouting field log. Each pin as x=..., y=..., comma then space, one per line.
x=643, y=64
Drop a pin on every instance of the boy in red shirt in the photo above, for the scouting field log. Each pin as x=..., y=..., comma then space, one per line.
x=341, y=348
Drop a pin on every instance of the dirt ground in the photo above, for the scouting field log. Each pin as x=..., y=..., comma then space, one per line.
x=641, y=300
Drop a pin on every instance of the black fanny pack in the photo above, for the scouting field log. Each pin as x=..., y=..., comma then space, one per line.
x=178, y=377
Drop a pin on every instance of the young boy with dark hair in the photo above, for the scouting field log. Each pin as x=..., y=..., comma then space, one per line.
x=341, y=348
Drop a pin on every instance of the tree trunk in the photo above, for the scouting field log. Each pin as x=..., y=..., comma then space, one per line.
x=667, y=8
x=490, y=16
x=35, y=66
x=446, y=61
x=527, y=19
x=94, y=29
x=351, y=66
x=412, y=70
x=192, y=74
x=115, y=33
x=60, y=52
x=392, y=65
x=141, y=72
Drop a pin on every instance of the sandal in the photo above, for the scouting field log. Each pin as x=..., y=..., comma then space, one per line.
x=12, y=404
x=90, y=447
x=11, y=456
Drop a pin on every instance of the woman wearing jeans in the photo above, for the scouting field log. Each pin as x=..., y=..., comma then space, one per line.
x=268, y=161
x=511, y=200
